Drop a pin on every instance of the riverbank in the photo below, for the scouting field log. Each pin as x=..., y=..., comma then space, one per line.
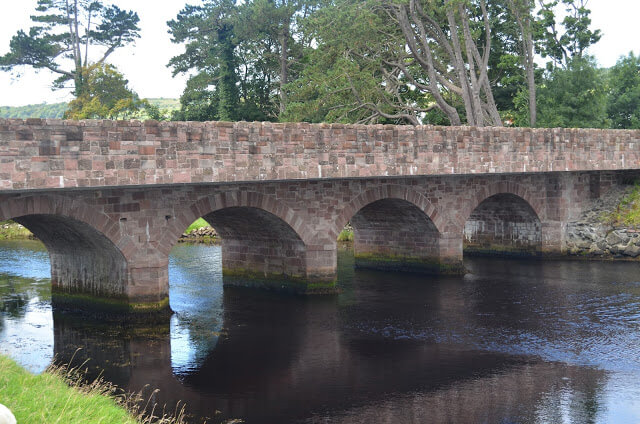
x=10, y=230
x=61, y=395
x=200, y=232
x=609, y=228
x=47, y=398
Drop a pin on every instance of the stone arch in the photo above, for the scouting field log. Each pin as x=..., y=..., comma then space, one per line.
x=390, y=191
x=265, y=243
x=499, y=187
x=84, y=244
x=505, y=223
x=395, y=228
x=248, y=199
x=12, y=207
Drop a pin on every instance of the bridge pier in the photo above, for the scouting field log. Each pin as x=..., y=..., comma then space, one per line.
x=89, y=272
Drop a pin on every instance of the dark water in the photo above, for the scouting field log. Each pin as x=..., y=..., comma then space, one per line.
x=512, y=342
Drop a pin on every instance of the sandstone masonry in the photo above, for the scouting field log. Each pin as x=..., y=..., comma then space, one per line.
x=110, y=199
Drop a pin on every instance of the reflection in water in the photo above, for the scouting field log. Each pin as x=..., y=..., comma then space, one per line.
x=515, y=341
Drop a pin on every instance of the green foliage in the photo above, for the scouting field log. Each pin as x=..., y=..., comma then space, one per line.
x=239, y=54
x=574, y=97
x=568, y=39
x=623, y=106
x=10, y=230
x=342, y=79
x=627, y=213
x=345, y=235
x=105, y=95
x=63, y=33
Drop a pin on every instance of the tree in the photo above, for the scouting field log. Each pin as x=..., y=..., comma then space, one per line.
x=62, y=30
x=408, y=61
x=243, y=54
x=623, y=105
x=345, y=77
x=574, y=97
x=208, y=32
x=105, y=95
x=568, y=39
x=270, y=37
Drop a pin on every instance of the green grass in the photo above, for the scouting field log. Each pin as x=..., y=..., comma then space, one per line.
x=627, y=213
x=345, y=235
x=197, y=224
x=62, y=395
x=10, y=230
x=46, y=398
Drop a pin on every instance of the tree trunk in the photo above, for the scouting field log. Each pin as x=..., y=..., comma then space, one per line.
x=524, y=24
x=531, y=81
x=459, y=66
x=284, y=62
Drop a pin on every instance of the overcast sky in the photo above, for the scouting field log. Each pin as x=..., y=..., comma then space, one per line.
x=144, y=64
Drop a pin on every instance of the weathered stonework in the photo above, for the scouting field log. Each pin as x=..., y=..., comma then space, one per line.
x=38, y=153
x=110, y=199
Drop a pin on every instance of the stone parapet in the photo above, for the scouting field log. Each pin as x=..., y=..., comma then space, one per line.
x=52, y=154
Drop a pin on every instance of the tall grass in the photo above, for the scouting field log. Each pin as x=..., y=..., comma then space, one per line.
x=62, y=395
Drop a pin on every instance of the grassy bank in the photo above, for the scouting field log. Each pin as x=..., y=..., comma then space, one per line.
x=60, y=396
x=627, y=212
x=46, y=398
x=196, y=225
x=10, y=230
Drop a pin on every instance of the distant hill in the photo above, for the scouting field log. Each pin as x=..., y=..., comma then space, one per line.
x=44, y=110
x=56, y=110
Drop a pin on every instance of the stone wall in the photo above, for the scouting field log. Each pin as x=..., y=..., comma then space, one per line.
x=38, y=154
x=591, y=235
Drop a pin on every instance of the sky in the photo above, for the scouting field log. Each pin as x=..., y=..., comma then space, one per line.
x=144, y=64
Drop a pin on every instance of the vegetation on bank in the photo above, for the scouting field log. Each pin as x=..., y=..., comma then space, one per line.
x=10, y=230
x=627, y=213
x=346, y=235
x=61, y=395
x=46, y=398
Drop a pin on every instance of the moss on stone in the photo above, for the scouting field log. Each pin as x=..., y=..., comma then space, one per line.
x=110, y=307
x=501, y=250
x=296, y=284
x=391, y=262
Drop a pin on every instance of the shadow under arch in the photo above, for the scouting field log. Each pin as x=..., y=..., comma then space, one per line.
x=248, y=199
x=395, y=229
x=88, y=268
x=390, y=191
x=503, y=224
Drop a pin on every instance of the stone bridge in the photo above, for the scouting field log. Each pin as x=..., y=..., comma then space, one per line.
x=109, y=199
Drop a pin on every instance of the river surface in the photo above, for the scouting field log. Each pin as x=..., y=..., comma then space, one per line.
x=513, y=341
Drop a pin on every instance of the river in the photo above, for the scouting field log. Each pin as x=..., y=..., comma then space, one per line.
x=513, y=341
